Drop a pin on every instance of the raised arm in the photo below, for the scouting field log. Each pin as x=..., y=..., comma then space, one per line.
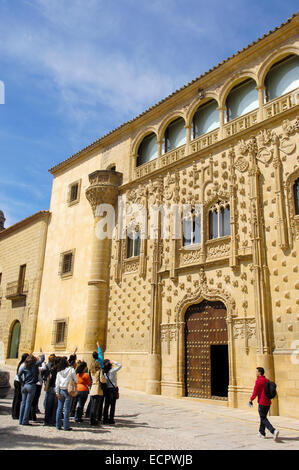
x=41, y=360
x=117, y=366
x=100, y=356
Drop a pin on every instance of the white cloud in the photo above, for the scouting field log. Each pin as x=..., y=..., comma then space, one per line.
x=85, y=71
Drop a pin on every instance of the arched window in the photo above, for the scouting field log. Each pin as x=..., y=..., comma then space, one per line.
x=242, y=99
x=148, y=149
x=174, y=136
x=206, y=119
x=133, y=242
x=296, y=196
x=282, y=77
x=219, y=220
x=192, y=228
x=15, y=341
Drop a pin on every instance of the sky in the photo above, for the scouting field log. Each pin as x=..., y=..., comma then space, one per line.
x=73, y=70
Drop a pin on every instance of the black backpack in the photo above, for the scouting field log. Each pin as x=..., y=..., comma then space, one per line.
x=270, y=390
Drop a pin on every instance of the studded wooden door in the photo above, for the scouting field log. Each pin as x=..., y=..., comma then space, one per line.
x=205, y=329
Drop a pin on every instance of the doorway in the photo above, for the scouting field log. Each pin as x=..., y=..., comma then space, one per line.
x=15, y=341
x=219, y=370
x=206, y=351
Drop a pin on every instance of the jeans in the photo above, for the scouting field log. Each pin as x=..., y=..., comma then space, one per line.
x=73, y=406
x=51, y=406
x=65, y=399
x=263, y=411
x=96, y=408
x=110, y=402
x=82, y=397
x=28, y=393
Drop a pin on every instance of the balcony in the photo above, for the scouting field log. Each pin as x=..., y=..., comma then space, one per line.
x=204, y=141
x=241, y=123
x=15, y=291
x=231, y=128
x=281, y=104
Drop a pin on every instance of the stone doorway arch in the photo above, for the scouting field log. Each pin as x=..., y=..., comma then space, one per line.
x=205, y=293
x=14, y=340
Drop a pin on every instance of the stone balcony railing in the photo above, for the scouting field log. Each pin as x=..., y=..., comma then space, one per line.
x=204, y=141
x=241, y=123
x=16, y=291
x=273, y=108
x=281, y=104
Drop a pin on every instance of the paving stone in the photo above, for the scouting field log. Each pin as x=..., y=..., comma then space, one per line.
x=147, y=422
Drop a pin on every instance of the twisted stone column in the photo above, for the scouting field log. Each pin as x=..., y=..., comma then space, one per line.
x=103, y=189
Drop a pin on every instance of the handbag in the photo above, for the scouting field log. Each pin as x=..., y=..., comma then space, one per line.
x=116, y=389
x=72, y=388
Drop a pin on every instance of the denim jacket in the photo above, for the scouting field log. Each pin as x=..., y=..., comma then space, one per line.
x=30, y=376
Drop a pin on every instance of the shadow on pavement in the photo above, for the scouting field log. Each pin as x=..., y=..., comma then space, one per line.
x=11, y=437
x=126, y=423
x=281, y=440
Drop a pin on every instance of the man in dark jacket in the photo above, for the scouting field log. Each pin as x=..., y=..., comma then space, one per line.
x=264, y=404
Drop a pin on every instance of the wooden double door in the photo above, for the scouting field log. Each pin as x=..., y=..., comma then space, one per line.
x=206, y=351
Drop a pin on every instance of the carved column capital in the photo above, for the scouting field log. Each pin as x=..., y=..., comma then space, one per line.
x=103, y=188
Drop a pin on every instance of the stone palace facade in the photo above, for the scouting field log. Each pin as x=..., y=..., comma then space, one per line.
x=198, y=284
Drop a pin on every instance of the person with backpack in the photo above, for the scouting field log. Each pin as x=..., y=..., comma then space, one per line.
x=28, y=377
x=262, y=388
x=65, y=378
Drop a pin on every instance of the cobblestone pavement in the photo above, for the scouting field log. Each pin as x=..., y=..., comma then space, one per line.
x=148, y=422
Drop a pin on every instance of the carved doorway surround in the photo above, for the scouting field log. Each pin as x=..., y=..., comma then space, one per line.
x=205, y=293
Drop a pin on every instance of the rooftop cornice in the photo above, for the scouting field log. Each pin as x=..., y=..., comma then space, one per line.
x=181, y=93
x=23, y=223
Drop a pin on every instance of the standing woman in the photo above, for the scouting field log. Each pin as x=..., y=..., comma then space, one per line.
x=111, y=391
x=65, y=373
x=96, y=393
x=51, y=401
x=28, y=376
x=83, y=385
x=17, y=398
x=34, y=405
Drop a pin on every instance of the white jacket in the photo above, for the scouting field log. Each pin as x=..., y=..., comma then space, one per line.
x=111, y=375
x=63, y=378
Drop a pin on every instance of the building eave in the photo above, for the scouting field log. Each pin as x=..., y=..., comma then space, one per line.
x=127, y=127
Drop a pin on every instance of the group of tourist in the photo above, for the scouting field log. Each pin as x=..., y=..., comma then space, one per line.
x=67, y=383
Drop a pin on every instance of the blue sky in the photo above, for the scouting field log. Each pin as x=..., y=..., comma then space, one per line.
x=75, y=69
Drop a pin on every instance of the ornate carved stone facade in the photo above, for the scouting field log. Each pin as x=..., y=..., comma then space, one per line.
x=243, y=170
x=233, y=186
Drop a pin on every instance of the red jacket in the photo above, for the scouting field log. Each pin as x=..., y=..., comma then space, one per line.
x=259, y=391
